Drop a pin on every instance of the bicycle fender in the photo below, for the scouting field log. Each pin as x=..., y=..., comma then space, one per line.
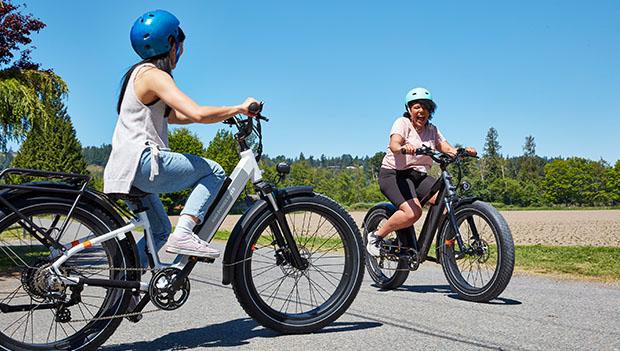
x=387, y=206
x=255, y=211
x=88, y=196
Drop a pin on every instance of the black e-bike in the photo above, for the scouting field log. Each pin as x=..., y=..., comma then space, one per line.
x=472, y=241
x=69, y=270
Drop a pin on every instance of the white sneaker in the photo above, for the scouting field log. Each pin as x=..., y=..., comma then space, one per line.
x=190, y=245
x=373, y=246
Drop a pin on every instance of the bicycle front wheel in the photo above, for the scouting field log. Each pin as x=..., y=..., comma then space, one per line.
x=289, y=300
x=37, y=317
x=482, y=269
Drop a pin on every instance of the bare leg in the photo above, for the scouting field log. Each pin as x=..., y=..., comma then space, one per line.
x=408, y=213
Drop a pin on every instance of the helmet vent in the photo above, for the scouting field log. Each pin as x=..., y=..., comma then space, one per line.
x=151, y=15
x=147, y=46
x=147, y=35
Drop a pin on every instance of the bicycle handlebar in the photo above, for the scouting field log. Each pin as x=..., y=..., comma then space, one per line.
x=438, y=156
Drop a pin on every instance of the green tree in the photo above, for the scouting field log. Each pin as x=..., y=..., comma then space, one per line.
x=374, y=165
x=575, y=181
x=612, y=184
x=52, y=146
x=223, y=150
x=182, y=140
x=97, y=155
x=25, y=89
x=492, y=160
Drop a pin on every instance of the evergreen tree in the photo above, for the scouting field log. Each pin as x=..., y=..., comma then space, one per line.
x=97, y=155
x=52, y=146
x=492, y=163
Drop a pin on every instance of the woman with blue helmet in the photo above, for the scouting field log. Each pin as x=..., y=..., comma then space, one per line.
x=148, y=101
x=403, y=177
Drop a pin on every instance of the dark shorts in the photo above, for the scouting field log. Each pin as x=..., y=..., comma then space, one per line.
x=403, y=185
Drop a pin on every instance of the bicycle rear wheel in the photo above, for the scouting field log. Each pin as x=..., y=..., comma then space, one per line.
x=386, y=273
x=289, y=300
x=37, y=317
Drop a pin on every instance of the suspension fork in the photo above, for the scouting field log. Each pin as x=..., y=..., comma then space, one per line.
x=449, y=200
x=282, y=231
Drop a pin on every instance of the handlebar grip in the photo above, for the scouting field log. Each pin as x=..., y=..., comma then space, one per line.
x=255, y=107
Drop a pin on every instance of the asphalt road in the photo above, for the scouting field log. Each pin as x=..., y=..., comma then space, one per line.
x=534, y=313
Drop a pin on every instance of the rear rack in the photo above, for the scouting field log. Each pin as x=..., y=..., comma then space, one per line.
x=78, y=184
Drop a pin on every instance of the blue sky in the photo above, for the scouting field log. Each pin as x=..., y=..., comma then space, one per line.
x=333, y=74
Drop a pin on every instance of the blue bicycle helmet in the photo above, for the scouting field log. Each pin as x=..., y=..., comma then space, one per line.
x=418, y=94
x=150, y=32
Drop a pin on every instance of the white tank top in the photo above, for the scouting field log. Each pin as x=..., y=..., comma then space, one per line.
x=138, y=127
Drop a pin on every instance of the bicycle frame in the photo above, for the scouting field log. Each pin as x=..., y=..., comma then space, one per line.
x=446, y=195
x=247, y=169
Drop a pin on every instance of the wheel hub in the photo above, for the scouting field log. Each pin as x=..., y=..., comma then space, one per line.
x=39, y=282
x=480, y=249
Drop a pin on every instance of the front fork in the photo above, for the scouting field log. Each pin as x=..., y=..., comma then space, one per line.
x=449, y=200
x=281, y=230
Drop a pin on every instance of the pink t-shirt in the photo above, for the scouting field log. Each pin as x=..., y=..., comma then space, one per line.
x=429, y=136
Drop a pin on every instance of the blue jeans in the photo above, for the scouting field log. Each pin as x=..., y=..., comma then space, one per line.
x=176, y=172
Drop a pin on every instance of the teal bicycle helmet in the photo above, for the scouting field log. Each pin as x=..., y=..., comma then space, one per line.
x=418, y=94
x=150, y=34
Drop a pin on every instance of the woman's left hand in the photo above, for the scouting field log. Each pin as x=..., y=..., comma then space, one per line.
x=244, y=108
x=471, y=151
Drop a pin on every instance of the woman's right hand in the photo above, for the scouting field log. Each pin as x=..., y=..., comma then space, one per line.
x=244, y=108
x=407, y=149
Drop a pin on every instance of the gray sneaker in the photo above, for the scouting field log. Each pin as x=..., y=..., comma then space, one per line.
x=190, y=245
x=374, y=242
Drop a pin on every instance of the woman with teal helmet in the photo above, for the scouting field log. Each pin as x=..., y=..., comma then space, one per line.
x=403, y=177
x=149, y=100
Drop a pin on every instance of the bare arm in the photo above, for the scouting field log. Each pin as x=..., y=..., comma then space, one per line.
x=397, y=142
x=186, y=110
x=445, y=147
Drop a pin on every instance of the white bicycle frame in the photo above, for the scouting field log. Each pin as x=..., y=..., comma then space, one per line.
x=247, y=169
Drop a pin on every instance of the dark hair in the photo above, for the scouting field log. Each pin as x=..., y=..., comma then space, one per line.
x=160, y=61
x=427, y=104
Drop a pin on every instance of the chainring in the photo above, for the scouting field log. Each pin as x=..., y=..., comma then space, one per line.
x=161, y=292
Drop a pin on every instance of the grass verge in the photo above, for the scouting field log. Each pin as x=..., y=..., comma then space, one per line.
x=582, y=262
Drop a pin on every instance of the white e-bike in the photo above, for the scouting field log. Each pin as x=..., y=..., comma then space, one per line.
x=69, y=263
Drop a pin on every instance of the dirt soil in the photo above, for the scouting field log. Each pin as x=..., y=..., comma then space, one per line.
x=556, y=228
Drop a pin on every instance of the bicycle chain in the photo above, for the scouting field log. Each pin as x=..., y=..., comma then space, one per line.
x=125, y=315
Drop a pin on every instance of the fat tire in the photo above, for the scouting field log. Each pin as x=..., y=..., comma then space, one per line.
x=506, y=254
x=92, y=335
x=248, y=297
x=402, y=268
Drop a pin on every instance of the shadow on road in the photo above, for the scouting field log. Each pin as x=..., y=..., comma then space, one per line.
x=496, y=301
x=420, y=288
x=232, y=333
x=445, y=289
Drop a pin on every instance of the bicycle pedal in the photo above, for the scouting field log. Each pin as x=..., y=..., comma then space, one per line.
x=135, y=318
x=202, y=259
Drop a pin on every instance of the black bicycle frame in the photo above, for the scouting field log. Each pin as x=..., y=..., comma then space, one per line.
x=446, y=196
